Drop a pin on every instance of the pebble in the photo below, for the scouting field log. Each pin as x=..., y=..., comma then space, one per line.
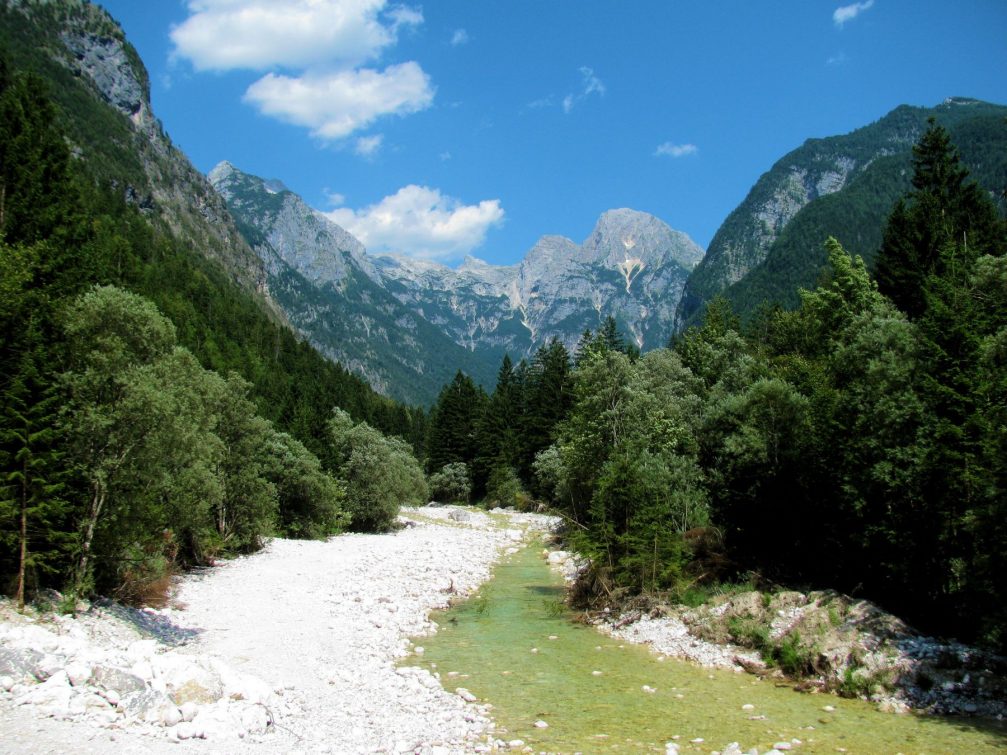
x=541, y=724
x=596, y=673
x=748, y=706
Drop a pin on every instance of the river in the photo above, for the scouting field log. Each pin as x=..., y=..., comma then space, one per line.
x=515, y=646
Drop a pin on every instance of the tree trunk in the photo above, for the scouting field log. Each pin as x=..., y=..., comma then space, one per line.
x=94, y=511
x=23, y=559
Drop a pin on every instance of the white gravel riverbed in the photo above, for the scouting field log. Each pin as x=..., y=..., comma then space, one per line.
x=295, y=648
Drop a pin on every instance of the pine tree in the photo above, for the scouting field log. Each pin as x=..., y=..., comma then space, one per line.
x=452, y=433
x=31, y=497
x=548, y=399
x=946, y=218
x=498, y=428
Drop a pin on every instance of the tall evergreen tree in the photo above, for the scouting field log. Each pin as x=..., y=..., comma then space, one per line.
x=497, y=431
x=453, y=423
x=945, y=218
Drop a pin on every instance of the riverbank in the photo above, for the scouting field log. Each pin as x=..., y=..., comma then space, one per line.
x=293, y=648
x=820, y=642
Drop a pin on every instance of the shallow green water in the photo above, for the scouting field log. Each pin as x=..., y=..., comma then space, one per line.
x=485, y=645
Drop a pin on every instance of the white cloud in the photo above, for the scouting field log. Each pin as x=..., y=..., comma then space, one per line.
x=334, y=105
x=334, y=198
x=591, y=84
x=849, y=12
x=421, y=222
x=223, y=35
x=676, y=150
x=368, y=146
x=460, y=37
x=444, y=156
x=836, y=60
x=325, y=43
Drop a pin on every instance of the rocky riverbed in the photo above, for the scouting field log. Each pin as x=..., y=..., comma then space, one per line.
x=294, y=648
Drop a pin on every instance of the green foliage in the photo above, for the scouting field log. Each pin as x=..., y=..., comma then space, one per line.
x=453, y=423
x=504, y=489
x=451, y=484
x=379, y=473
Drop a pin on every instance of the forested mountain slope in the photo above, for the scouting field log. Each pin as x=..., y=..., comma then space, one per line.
x=843, y=186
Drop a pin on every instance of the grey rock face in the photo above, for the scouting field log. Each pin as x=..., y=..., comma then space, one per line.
x=632, y=266
x=301, y=237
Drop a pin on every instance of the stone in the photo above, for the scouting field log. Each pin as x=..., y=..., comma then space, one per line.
x=116, y=679
x=255, y=719
x=460, y=515
x=145, y=704
x=541, y=725
x=748, y=706
x=782, y=746
x=78, y=673
x=20, y=663
x=170, y=716
x=192, y=683
x=185, y=730
x=6, y=683
x=52, y=696
x=189, y=710
x=465, y=695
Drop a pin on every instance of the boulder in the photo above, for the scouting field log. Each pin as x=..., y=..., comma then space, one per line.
x=21, y=664
x=195, y=684
x=52, y=696
x=112, y=678
x=460, y=515
x=146, y=705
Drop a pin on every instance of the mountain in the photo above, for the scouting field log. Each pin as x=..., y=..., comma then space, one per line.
x=331, y=292
x=407, y=324
x=98, y=79
x=632, y=267
x=151, y=223
x=842, y=186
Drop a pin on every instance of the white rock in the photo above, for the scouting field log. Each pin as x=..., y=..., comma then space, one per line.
x=781, y=746
x=6, y=683
x=185, y=730
x=141, y=650
x=170, y=716
x=189, y=710
x=465, y=695
x=541, y=725
x=255, y=719
x=748, y=706
x=78, y=673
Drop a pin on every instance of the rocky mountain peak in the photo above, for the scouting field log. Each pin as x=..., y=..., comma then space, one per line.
x=625, y=237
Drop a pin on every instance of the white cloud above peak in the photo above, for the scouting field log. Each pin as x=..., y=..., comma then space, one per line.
x=421, y=222
x=222, y=35
x=334, y=105
x=668, y=149
x=459, y=38
x=324, y=44
x=849, y=12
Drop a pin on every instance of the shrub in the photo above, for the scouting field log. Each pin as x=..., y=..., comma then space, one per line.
x=451, y=484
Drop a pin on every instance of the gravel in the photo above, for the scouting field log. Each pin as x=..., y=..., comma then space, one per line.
x=297, y=647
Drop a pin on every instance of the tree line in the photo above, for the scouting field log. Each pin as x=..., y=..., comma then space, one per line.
x=153, y=416
x=857, y=442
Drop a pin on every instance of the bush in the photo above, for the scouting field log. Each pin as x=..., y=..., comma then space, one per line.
x=451, y=484
x=504, y=489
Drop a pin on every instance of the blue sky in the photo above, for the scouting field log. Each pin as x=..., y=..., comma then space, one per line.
x=463, y=126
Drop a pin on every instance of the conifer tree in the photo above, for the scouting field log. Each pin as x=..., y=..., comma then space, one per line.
x=452, y=434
